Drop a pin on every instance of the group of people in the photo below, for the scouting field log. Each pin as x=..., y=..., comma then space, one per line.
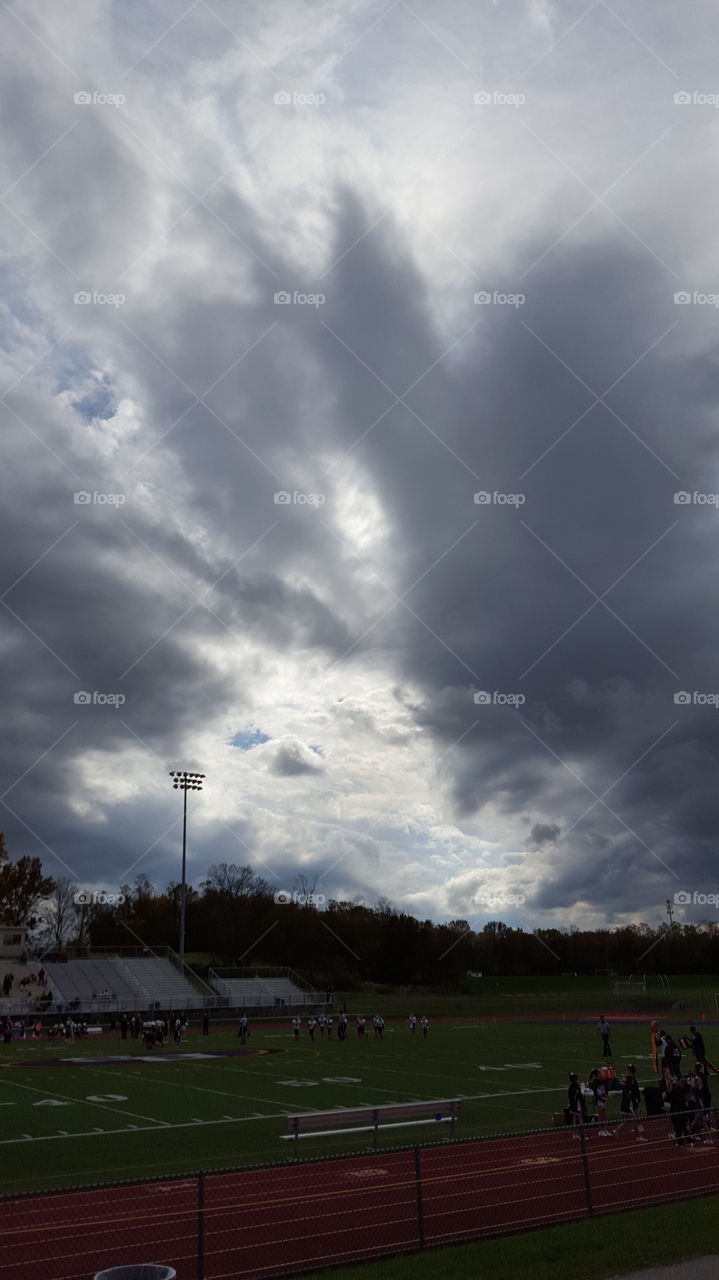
x=12, y=1028
x=684, y=1096
x=39, y=999
x=69, y=1030
x=153, y=1031
x=325, y=1024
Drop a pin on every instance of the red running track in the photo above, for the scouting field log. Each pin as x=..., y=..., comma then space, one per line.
x=291, y=1218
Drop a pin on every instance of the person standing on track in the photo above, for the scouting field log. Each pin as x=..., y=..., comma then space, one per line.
x=600, y=1091
x=603, y=1029
x=206, y=1022
x=697, y=1046
x=296, y=1027
x=577, y=1107
x=702, y=1080
x=412, y=1024
x=322, y=1024
x=424, y=1023
x=244, y=1028
x=672, y=1056
x=630, y=1102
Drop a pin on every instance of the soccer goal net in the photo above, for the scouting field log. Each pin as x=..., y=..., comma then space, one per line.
x=630, y=987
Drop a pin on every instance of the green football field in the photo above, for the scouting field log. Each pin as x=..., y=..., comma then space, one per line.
x=70, y=1115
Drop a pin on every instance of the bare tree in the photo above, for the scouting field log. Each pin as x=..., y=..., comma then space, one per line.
x=306, y=887
x=235, y=881
x=58, y=914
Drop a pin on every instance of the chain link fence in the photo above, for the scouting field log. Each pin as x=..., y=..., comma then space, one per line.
x=289, y=1218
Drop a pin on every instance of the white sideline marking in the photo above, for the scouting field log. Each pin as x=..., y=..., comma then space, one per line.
x=192, y=1124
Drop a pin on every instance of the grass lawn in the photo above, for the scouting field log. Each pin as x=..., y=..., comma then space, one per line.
x=88, y=1119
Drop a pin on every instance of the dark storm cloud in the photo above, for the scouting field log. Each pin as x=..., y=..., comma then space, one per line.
x=542, y=832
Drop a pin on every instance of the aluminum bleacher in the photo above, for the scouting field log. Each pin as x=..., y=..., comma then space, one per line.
x=263, y=990
x=96, y=983
x=162, y=981
x=110, y=983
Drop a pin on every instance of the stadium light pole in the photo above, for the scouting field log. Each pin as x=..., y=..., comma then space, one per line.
x=184, y=781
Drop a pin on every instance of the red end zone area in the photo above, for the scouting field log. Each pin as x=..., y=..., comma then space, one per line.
x=290, y=1218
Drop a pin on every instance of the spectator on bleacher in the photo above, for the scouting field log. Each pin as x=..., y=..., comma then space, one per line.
x=7, y=984
x=41, y=976
x=6, y=1031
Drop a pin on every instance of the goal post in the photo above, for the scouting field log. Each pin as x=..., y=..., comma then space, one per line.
x=630, y=986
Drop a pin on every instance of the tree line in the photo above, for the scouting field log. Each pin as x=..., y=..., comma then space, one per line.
x=235, y=917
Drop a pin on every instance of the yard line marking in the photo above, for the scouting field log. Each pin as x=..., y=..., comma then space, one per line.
x=198, y=1088
x=160, y=1124
x=192, y=1124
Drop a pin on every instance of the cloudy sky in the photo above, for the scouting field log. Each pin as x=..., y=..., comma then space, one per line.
x=353, y=353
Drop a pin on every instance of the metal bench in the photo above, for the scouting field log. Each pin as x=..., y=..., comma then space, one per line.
x=370, y=1120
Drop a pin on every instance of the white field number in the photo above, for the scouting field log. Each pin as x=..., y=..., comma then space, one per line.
x=298, y=1084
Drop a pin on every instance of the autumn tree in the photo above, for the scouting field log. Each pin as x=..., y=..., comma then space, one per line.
x=22, y=886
